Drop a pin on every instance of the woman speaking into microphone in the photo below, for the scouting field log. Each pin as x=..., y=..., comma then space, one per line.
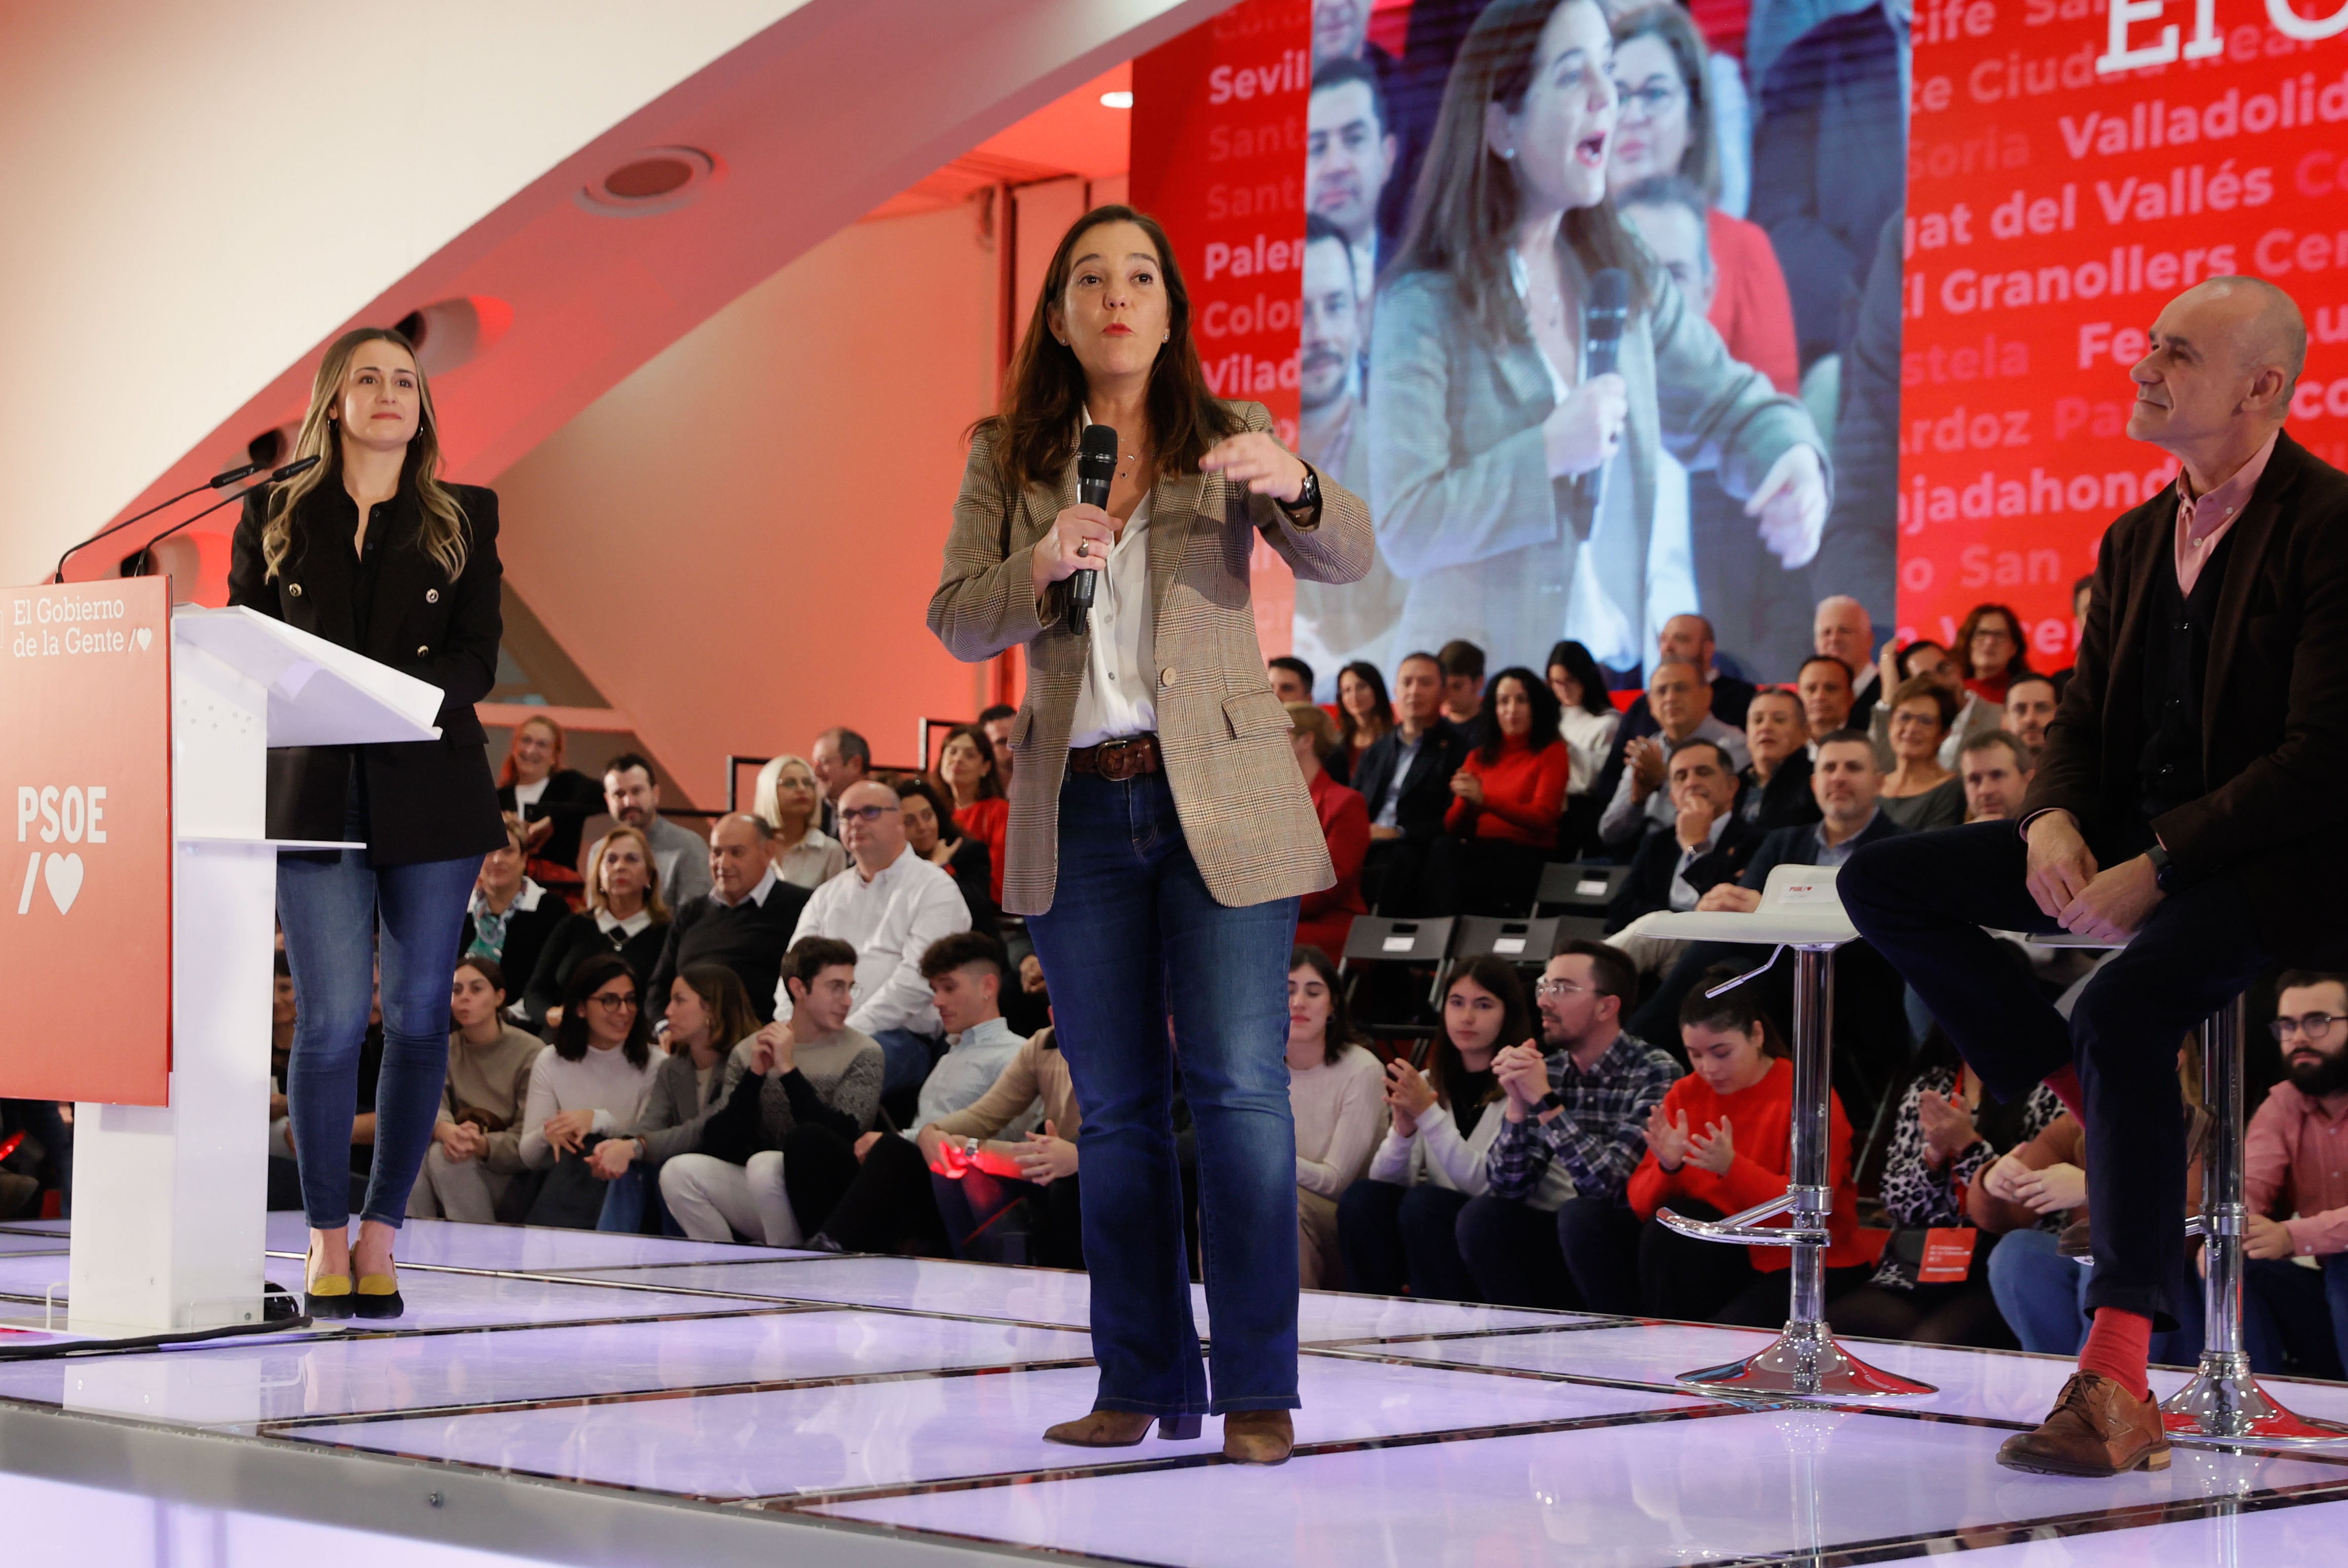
x=1160, y=834
x=370, y=550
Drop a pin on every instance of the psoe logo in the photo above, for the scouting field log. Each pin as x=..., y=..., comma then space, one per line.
x=74, y=814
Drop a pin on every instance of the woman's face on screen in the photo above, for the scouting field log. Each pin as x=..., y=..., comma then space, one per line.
x=1652, y=137
x=1115, y=312
x=1557, y=142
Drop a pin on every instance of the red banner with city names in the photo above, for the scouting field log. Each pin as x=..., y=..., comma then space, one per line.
x=2070, y=170
x=1219, y=159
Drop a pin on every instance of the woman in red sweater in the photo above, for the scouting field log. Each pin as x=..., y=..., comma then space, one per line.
x=1323, y=919
x=1507, y=798
x=968, y=778
x=1721, y=1141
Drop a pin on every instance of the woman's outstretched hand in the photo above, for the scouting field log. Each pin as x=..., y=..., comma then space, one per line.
x=1256, y=459
x=1791, y=506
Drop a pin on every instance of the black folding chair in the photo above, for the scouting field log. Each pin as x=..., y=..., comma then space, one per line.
x=1580, y=891
x=1380, y=939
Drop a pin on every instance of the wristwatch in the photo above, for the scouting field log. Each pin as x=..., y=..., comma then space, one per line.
x=2163, y=870
x=1308, y=500
x=1550, y=1101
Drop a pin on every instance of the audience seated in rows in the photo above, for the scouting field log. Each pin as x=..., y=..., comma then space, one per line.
x=746, y=919
x=1932, y=1286
x=890, y=905
x=632, y=794
x=970, y=785
x=708, y=1014
x=1334, y=1089
x=840, y=758
x=1927, y=661
x=476, y=1150
x=792, y=806
x=553, y=801
x=625, y=914
x=591, y=1084
x=1396, y=1227
x=1689, y=640
x=1509, y=794
x=1996, y=769
x=2295, y=1317
x=935, y=832
x=1638, y=803
x=1323, y=918
x=1578, y=1102
x=1364, y=713
x=798, y=1082
x=1920, y=792
x=1405, y=782
x=511, y=916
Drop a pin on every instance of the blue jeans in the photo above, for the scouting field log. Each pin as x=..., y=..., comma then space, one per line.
x=2043, y=1296
x=331, y=911
x=2295, y=1312
x=1134, y=937
x=1394, y=1235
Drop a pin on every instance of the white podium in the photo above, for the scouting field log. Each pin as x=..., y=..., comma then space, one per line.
x=169, y=1201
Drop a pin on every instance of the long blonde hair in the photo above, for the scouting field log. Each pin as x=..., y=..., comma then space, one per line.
x=655, y=904
x=445, y=535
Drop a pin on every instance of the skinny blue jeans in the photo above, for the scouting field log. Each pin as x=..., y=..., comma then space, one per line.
x=1133, y=936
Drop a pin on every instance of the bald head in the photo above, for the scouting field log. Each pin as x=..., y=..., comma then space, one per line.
x=2270, y=332
x=738, y=855
x=2217, y=379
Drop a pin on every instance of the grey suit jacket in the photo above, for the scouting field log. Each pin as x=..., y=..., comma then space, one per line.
x=1466, y=512
x=1245, y=811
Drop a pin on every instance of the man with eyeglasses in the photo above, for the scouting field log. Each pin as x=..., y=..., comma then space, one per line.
x=1583, y=1105
x=2296, y=1187
x=890, y=905
x=743, y=922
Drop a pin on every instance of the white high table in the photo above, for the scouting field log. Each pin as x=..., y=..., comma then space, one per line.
x=1799, y=909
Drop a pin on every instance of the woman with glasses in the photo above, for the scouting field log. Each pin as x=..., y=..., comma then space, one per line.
x=1924, y=659
x=591, y=1084
x=1517, y=494
x=1919, y=792
x=552, y=800
x=790, y=803
x=1989, y=643
x=1396, y=1224
x=1666, y=130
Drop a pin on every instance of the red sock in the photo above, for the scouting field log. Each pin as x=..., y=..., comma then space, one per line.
x=2064, y=1081
x=2117, y=1346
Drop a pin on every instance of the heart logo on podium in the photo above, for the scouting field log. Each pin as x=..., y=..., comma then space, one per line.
x=143, y=636
x=63, y=873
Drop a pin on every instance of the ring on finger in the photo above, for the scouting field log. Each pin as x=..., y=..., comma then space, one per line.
x=1084, y=547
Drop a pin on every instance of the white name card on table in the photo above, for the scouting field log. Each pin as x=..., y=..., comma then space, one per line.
x=1590, y=887
x=1396, y=944
x=1507, y=944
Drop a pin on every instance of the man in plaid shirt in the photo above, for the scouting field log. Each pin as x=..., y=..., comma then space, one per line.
x=1583, y=1105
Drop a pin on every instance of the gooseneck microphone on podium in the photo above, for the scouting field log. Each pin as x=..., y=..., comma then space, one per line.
x=1603, y=316
x=1095, y=468
x=221, y=480
x=276, y=476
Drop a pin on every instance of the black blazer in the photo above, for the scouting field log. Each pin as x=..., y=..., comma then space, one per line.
x=2274, y=702
x=577, y=937
x=1799, y=847
x=571, y=798
x=1786, y=802
x=526, y=937
x=749, y=939
x=1425, y=788
x=426, y=800
x=1648, y=888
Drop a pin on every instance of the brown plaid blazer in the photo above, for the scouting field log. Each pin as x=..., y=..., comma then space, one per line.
x=1244, y=805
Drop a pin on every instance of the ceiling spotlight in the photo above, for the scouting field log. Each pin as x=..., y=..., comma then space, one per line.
x=655, y=179
x=1117, y=100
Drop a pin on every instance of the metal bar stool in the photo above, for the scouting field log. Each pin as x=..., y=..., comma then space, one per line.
x=1799, y=909
x=2224, y=1401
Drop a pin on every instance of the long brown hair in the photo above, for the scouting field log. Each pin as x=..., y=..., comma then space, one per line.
x=2015, y=667
x=1446, y=1068
x=1463, y=213
x=1034, y=432
x=444, y=534
x=724, y=997
x=1341, y=1033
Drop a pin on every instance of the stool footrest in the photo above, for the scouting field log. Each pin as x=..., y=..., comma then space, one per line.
x=1739, y=1230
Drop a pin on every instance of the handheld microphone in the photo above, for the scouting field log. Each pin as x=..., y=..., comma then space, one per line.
x=1095, y=468
x=1603, y=314
x=276, y=476
x=221, y=480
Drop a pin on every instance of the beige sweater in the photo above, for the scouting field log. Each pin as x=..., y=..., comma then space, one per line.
x=1340, y=1110
x=494, y=1077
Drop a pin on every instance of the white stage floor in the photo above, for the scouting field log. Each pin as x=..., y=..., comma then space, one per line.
x=561, y=1396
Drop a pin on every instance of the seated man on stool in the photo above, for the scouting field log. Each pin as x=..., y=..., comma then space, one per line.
x=2296, y=1191
x=2190, y=782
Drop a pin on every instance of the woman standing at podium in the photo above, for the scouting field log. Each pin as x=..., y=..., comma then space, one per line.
x=371, y=550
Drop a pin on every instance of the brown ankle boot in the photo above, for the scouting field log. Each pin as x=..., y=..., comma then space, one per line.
x=2097, y=1428
x=1102, y=1429
x=1258, y=1436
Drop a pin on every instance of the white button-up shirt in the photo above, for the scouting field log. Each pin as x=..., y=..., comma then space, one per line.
x=890, y=919
x=1118, y=695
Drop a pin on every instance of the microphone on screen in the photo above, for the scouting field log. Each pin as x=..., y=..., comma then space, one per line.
x=1603, y=314
x=1095, y=468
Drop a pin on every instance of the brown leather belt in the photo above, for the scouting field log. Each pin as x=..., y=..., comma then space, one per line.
x=1118, y=760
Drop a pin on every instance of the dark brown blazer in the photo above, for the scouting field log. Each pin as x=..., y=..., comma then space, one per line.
x=2274, y=704
x=426, y=800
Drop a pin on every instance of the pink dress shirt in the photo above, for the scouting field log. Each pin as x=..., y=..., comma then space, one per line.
x=2202, y=522
x=2295, y=1160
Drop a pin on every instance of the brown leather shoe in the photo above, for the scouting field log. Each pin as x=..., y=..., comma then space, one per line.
x=1258, y=1436
x=2097, y=1428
